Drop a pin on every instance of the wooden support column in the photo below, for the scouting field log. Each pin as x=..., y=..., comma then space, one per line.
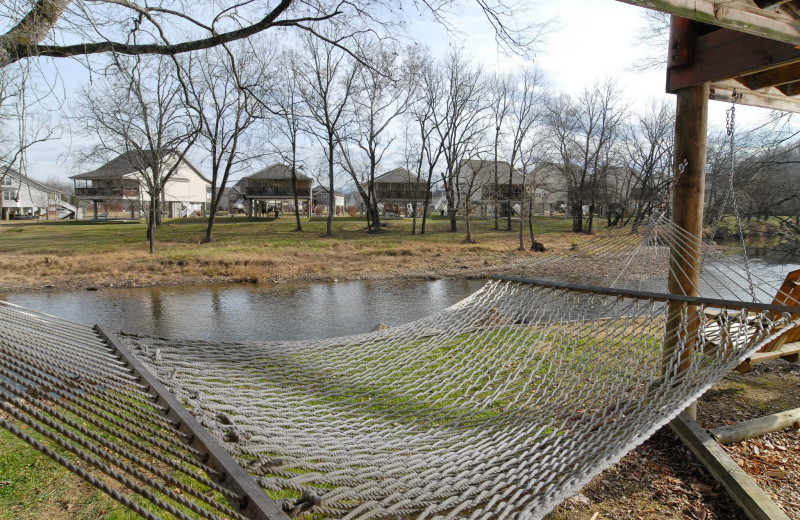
x=687, y=212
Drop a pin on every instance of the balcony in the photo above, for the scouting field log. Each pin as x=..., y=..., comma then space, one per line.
x=128, y=193
x=401, y=195
x=266, y=191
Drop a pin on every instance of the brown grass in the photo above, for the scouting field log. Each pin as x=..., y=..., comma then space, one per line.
x=78, y=255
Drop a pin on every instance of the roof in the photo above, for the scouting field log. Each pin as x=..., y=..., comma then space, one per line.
x=127, y=163
x=276, y=171
x=322, y=189
x=27, y=181
x=484, y=170
x=398, y=176
x=766, y=75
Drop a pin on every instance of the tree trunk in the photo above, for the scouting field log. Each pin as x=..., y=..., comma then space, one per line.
x=522, y=225
x=414, y=218
x=508, y=201
x=152, y=223
x=577, y=217
x=468, y=226
x=536, y=246
x=331, y=195
x=294, y=193
x=496, y=190
x=376, y=218
x=427, y=203
x=211, y=218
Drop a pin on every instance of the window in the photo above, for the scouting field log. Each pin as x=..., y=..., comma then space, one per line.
x=10, y=195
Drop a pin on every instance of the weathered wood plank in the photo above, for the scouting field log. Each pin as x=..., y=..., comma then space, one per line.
x=722, y=54
x=756, y=504
x=755, y=427
x=724, y=92
x=788, y=349
x=737, y=15
x=691, y=122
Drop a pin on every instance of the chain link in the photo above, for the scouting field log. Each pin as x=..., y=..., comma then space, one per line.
x=730, y=127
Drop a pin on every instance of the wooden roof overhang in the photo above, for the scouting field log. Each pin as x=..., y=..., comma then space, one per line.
x=750, y=47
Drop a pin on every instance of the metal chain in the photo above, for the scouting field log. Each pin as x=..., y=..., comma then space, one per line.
x=730, y=127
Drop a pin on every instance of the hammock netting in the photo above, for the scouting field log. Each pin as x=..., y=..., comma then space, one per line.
x=500, y=406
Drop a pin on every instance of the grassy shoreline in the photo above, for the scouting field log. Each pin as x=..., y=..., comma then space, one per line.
x=79, y=255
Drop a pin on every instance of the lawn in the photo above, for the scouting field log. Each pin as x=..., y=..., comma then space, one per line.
x=86, y=253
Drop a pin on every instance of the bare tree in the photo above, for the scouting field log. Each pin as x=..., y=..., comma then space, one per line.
x=413, y=161
x=653, y=39
x=424, y=111
x=382, y=92
x=528, y=99
x=289, y=111
x=471, y=180
x=500, y=105
x=222, y=88
x=136, y=27
x=140, y=107
x=648, y=142
x=24, y=122
x=582, y=135
x=326, y=84
x=460, y=123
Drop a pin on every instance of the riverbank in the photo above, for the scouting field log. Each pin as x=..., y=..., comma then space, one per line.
x=659, y=480
x=85, y=255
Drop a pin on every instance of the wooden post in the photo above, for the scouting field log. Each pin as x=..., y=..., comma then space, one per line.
x=687, y=212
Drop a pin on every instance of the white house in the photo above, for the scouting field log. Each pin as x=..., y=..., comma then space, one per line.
x=120, y=184
x=321, y=196
x=25, y=197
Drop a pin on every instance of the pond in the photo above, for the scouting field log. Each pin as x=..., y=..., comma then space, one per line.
x=286, y=311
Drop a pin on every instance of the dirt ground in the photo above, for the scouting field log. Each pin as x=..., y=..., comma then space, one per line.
x=662, y=480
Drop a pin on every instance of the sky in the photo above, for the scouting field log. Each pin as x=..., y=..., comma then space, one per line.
x=591, y=41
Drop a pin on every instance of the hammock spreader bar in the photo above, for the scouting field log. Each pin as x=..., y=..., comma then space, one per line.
x=254, y=503
x=655, y=296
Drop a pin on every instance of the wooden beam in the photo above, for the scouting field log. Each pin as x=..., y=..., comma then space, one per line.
x=755, y=427
x=764, y=4
x=789, y=352
x=756, y=504
x=725, y=54
x=781, y=75
x=790, y=89
x=691, y=122
x=786, y=350
x=736, y=14
x=682, y=36
x=773, y=101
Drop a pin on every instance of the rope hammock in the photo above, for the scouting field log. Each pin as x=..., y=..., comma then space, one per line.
x=500, y=406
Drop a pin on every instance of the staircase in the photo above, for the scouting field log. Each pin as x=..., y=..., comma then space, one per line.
x=72, y=210
x=187, y=209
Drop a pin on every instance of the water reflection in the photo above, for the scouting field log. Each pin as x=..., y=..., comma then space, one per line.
x=253, y=313
x=306, y=310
